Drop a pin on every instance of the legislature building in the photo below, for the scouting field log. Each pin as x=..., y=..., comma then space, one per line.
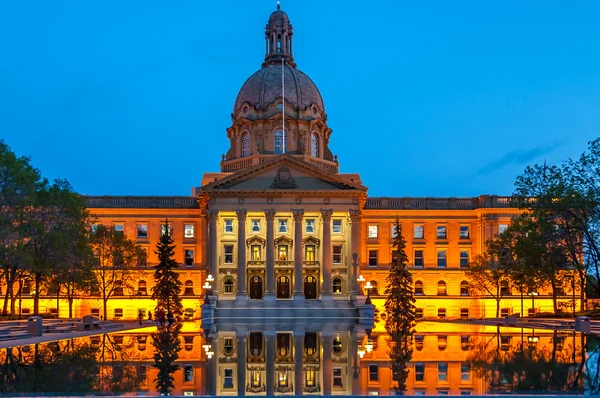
x=279, y=224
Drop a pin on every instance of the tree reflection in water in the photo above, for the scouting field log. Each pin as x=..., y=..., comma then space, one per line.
x=167, y=347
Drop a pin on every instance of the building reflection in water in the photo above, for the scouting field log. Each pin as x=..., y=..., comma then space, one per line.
x=303, y=359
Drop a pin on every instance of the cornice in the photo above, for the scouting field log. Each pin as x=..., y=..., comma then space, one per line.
x=142, y=211
x=440, y=212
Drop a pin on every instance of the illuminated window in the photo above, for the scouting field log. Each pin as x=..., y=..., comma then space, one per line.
x=283, y=226
x=310, y=226
x=255, y=226
x=374, y=288
x=441, y=313
x=419, y=342
x=255, y=378
x=442, y=371
x=419, y=288
x=373, y=372
x=419, y=258
x=419, y=371
x=442, y=290
x=419, y=313
x=309, y=253
x=255, y=252
x=315, y=145
x=188, y=231
x=464, y=258
x=188, y=314
x=442, y=342
x=309, y=377
x=279, y=142
x=142, y=231
x=418, y=232
x=337, y=254
x=282, y=252
x=228, y=378
x=464, y=232
x=228, y=254
x=245, y=144
x=189, y=257
x=338, y=378
x=464, y=288
x=337, y=345
x=464, y=313
x=373, y=258
x=372, y=232
x=283, y=344
x=441, y=258
x=282, y=379
x=465, y=372
x=228, y=225
x=441, y=232
x=120, y=228
x=502, y=228
x=337, y=226
x=228, y=346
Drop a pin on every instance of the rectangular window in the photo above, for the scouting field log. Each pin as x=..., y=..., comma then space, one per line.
x=188, y=231
x=464, y=258
x=142, y=231
x=464, y=232
x=464, y=343
x=465, y=372
x=465, y=393
x=441, y=313
x=189, y=257
x=120, y=228
x=282, y=226
x=228, y=254
x=441, y=258
x=443, y=393
x=309, y=253
x=337, y=226
x=418, y=232
x=118, y=313
x=255, y=226
x=309, y=377
x=282, y=253
x=419, y=313
x=96, y=312
x=419, y=342
x=373, y=372
x=338, y=378
x=441, y=232
x=442, y=371
x=502, y=228
x=505, y=343
x=504, y=312
x=464, y=313
x=337, y=254
x=255, y=252
x=419, y=371
x=188, y=373
x=228, y=226
x=373, y=258
x=310, y=226
x=372, y=232
x=419, y=258
x=442, y=343
x=228, y=378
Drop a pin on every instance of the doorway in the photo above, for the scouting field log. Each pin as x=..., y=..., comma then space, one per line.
x=310, y=288
x=283, y=287
x=256, y=288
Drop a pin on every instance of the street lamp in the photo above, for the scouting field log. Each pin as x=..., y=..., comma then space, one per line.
x=533, y=294
x=207, y=289
x=532, y=340
x=361, y=279
x=368, y=286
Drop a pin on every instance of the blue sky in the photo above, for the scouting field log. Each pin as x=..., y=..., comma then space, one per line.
x=433, y=98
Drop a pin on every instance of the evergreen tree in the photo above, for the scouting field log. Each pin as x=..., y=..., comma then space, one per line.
x=400, y=311
x=167, y=286
x=166, y=352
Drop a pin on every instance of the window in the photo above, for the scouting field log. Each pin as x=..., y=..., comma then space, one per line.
x=464, y=313
x=441, y=313
x=441, y=258
x=228, y=378
x=120, y=228
x=255, y=226
x=442, y=342
x=464, y=288
x=309, y=253
x=282, y=253
x=338, y=379
x=94, y=228
x=419, y=313
x=374, y=288
x=96, y=312
x=228, y=225
x=314, y=149
x=228, y=346
x=442, y=290
x=189, y=257
x=465, y=372
x=337, y=254
x=337, y=226
x=309, y=377
x=393, y=231
x=25, y=311
x=372, y=232
x=255, y=252
x=464, y=258
x=372, y=258
x=282, y=226
x=504, y=312
x=310, y=226
x=418, y=232
x=419, y=288
x=373, y=372
x=442, y=371
x=337, y=286
x=419, y=258
x=502, y=228
x=337, y=345
x=228, y=285
x=118, y=313
x=245, y=144
x=228, y=254
x=419, y=342
x=118, y=290
x=441, y=232
x=504, y=288
x=188, y=288
x=282, y=378
x=142, y=291
x=188, y=373
x=255, y=378
x=464, y=232
x=188, y=231
x=465, y=393
x=166, y=228
x=142, y=231
x=464, y=343
x=443, y=393
x=505, y=343
x=419, y=371
x=279, y=142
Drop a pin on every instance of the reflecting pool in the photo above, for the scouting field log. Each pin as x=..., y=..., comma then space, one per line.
x=306, y=358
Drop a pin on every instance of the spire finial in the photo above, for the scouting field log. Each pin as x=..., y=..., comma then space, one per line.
x=279, y=5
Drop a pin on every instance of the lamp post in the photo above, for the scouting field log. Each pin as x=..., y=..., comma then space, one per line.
x=368, y=286
x=533, y=294
x=207, y=289
x=210, y=280
x=361, y=279
x=572, y=278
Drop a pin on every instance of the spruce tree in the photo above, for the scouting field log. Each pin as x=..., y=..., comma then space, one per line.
x=167, y=346
x=167, y=286
x=400, y=311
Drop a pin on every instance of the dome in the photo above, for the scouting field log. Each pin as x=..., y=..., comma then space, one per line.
x=264, y=88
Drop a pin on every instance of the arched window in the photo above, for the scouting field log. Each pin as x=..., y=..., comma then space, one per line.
x=310, y=343
x=188, y=343
x=245, y=144
x=419, y=288
x=189, y=288
x=442, y=288
x=464, y=288
x=228, y=285
x=142, y=288
x=279, y=142
x=337, y=286
x=314, y=147
x=374, y=289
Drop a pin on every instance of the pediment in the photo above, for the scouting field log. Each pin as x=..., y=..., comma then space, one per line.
x=283, y=174
x=255, y=240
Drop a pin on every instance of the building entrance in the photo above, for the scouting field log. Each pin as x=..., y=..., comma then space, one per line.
x=256, y=288
x=283, y=287
x=310, y=288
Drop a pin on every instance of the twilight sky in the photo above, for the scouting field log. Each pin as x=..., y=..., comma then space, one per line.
x=434, y=98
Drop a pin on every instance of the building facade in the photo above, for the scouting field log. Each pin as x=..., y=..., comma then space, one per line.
x=279, y=223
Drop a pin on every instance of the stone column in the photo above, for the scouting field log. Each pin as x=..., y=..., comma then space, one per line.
x=270, y=336
x=298, y=257
x=242, y=294
x=241, y=363
x=270, y=272
x=211, y=367
x=326, y=289
x=327, y=342
x=213, y=268
x=355, y=216
x=298, y=361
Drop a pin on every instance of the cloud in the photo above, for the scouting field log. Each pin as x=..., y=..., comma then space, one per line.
x=517, y=157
